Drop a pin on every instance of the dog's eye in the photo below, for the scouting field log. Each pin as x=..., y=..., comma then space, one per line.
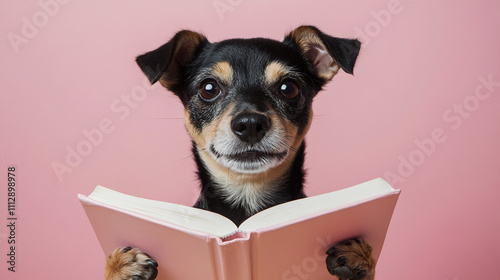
x=209, y=90
x=289, y=89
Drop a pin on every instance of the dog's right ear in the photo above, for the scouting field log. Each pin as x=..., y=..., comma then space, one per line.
x=326, y=54
x=166, y=63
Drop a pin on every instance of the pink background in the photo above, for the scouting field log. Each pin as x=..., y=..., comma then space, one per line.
x=67, y=67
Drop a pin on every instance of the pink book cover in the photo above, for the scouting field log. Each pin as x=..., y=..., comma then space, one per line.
x=292, y=250
x=297, y=250
x=180, y=252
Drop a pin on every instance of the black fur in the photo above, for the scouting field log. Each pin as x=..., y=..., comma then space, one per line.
x=246, y=56
x=183, y=62
x=309, y=58
x=345, y=51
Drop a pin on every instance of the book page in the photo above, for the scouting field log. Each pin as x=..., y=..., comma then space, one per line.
x=301, y=208
x=180, y=215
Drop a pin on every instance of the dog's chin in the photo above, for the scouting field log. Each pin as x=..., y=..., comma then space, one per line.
x=250, y=161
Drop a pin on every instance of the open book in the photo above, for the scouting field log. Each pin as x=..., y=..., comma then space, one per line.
x=287, y=241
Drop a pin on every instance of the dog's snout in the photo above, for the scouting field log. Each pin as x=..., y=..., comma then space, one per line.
x=250, y=127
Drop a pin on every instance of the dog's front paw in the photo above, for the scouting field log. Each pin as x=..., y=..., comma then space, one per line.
x=127, y=263
x=351, y=260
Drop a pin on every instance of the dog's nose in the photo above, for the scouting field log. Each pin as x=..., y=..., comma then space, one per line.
x=250, y=127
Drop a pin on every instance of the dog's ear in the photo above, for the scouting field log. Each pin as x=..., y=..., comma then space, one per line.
x=326, y=53
x=166, y=63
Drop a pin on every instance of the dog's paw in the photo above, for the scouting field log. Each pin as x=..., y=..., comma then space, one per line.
x=128, y=263
x=351, y=260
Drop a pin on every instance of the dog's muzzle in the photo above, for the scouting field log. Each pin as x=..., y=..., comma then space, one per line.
x=250, y=127
x=250, y=144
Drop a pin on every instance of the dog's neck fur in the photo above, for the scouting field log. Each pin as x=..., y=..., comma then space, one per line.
x=238, y=202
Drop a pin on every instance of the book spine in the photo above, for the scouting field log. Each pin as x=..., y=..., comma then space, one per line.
x=254, y=253
x=232, y=259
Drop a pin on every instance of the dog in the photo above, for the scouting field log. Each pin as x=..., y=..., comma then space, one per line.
x=247, y=109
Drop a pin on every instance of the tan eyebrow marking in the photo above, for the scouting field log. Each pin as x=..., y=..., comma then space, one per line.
x=223, y=72
x=274, y=72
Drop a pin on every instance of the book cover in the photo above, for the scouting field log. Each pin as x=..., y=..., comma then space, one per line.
x=277, y=243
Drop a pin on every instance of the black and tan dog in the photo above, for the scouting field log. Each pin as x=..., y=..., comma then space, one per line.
x=247, y=108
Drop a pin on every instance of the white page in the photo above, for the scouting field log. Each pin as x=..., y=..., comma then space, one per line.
x=304, y=207
x=181, y=215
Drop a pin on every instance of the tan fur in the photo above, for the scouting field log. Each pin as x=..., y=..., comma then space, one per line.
x=358, y=255
x=274, y=72
x=223, y=72
x=307, y=37
x=299, y=138
x=208, y=132
x=124, y=265
x=226, y=175
x=252, y=182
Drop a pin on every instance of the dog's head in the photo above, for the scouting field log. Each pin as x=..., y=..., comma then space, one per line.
x=248, y=101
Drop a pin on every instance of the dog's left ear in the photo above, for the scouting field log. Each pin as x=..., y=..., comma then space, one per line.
x=326, y=54
x=166, y=63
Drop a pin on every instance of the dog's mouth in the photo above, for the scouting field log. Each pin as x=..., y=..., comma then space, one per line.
x=249, y=161
x=251, y=155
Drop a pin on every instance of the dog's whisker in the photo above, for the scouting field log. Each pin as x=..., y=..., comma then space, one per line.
x=318, y=116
